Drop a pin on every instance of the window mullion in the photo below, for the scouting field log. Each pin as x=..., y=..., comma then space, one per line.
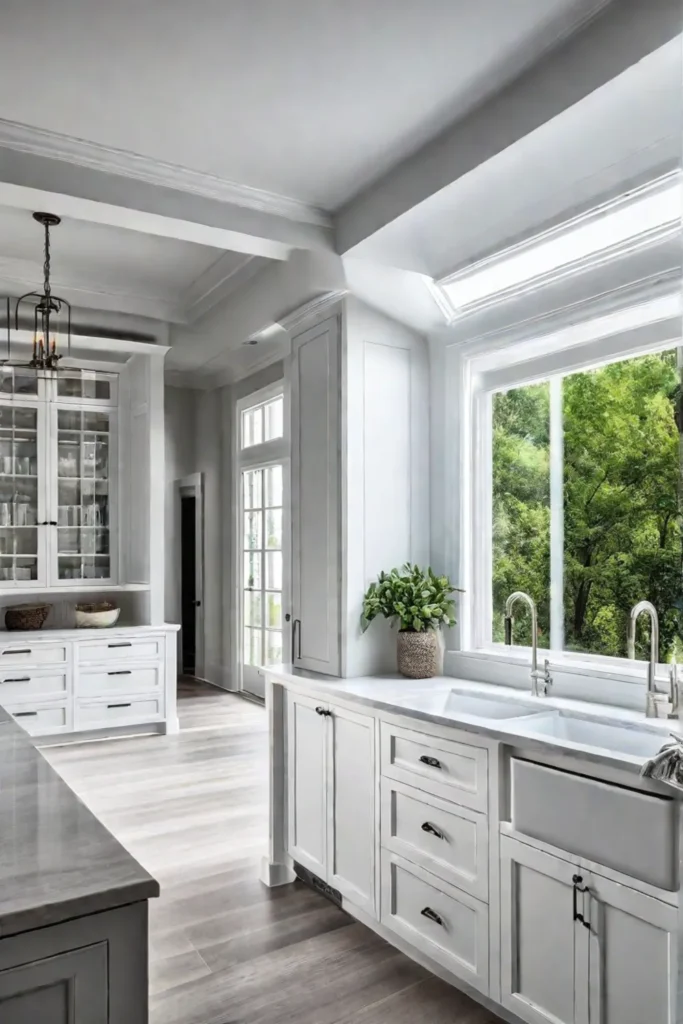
x=556, y=516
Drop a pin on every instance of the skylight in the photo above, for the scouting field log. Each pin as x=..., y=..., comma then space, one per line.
x=603, y=230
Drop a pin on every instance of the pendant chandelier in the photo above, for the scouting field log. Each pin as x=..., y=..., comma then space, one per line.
x=49, y=314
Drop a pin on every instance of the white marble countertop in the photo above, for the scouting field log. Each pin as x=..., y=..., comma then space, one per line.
x=425, y=700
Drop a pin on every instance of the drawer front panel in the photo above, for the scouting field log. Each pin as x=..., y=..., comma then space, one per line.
x=452, y=770
x=449, y=841
x=109, y=714
x=447, y=925
x=36, y=654
x=632, y=832
x=24, y=685
x=118, y=680
x=39, y=721
x=121, y=649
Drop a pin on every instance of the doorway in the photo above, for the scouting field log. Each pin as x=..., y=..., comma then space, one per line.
x=191, y=560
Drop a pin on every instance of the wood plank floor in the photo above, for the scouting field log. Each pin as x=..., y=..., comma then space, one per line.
x=224, y=949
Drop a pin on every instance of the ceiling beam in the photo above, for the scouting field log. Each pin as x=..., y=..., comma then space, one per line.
x=31, y=182
x=620, y=36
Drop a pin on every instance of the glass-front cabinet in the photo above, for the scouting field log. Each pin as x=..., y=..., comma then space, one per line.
x=58, y=479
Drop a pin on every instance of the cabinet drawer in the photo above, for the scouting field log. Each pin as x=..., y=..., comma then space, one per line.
x=449, y=841
x=447, y=925
x=24, y=685
x=121, y=649
x=39, y=721
x=632, y=832
x=105, y=714
x=118, y=680
x=36, y=654
x=449, y=769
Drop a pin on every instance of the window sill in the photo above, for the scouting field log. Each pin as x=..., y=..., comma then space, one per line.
x=617, y=669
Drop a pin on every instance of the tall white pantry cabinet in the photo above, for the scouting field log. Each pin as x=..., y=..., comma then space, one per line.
x=359, y=399
x=82, y=486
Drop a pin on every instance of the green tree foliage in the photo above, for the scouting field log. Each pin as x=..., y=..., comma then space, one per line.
x=622, y=514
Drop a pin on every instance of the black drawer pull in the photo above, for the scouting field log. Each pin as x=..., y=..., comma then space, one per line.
x=432, y=915
x=323, y=711
x=119, y=705
x=17, y=679
x=121, y=672
x=431, y=761
x=25, y=714
x=15, y=651
x=432, y=830
x=124, y=643
x=579, y=887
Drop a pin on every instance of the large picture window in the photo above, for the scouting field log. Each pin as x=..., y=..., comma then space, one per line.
x=586, y=505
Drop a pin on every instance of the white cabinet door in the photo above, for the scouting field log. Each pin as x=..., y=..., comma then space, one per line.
x=307, y=783
x=315, y=409
x=633, y=955
x=540, y=941
x=24, y=528
x=351, y=807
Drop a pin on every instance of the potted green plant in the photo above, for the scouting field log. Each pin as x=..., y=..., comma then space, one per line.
x=419, y=602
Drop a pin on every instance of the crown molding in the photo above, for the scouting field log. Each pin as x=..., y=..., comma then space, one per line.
x=109, y=160
x=218, y=281
x=309, y=310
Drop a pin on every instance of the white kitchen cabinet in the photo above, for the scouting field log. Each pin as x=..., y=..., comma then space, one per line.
x=633, y=943
x=331, y=796
x=307, y=783
x=540, y=941
x=612, y=967
x=351, y=810
x=58, y=481
x=315, y=496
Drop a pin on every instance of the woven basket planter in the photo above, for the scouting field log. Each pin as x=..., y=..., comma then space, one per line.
x=420, y=655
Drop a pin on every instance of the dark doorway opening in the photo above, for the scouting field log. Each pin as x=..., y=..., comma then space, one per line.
x=189, y=601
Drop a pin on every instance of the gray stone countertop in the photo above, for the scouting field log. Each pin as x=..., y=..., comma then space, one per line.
x=57, y=861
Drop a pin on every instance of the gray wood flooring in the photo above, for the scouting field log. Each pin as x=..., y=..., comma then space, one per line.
x=224, y=949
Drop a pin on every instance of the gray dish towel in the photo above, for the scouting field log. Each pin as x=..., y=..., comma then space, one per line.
x=667, y=765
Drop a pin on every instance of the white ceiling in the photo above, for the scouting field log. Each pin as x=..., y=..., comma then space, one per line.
x=103, y=267
x=311, y=99
x=628, y=130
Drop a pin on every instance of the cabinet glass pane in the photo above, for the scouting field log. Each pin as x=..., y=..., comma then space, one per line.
x=14, y=381
x=83, y=494
x=18, y=493
x=84, y=384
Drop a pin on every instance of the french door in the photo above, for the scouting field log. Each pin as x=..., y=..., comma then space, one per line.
x=264, y=570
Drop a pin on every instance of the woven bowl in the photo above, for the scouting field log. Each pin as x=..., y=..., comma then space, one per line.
x=96, y=616
x=26, y=616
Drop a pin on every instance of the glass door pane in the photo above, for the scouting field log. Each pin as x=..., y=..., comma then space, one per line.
x=262, y=583
x=84, y=450
x=20, y=514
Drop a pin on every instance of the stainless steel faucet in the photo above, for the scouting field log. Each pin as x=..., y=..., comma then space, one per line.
x=636, y=612
x=541, y=680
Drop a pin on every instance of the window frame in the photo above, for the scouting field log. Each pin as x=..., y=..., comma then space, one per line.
x=259, y=456
x=475, y=372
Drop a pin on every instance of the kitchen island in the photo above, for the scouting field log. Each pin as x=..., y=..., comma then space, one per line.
x=506, y=842
x=73, y=902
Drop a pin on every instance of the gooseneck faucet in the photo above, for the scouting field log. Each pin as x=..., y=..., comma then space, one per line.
x=636, y=612
x=541, y=680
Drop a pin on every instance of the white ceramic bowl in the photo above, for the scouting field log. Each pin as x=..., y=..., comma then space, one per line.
x=97, y=620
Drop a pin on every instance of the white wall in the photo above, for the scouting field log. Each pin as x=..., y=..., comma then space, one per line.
x=385, y=471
